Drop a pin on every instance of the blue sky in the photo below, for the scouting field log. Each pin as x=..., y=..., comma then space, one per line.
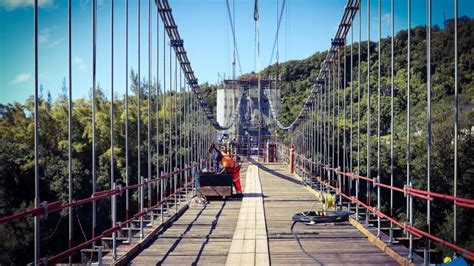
x=307, y=27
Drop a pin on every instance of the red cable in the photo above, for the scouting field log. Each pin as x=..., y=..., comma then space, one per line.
x=65, y=254
x=427, y=195
x=58, y=205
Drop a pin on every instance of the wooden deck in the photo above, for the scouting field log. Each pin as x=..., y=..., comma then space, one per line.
x=202, y=235
x=329, y=243
x=230, y=232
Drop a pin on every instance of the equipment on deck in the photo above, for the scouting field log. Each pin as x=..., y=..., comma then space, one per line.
x=214, y=184
x=321, y=216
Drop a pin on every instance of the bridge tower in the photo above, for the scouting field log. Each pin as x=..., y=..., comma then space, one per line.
x=252, y=120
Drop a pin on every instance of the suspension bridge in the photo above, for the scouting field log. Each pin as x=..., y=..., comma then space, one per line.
x=321, y=157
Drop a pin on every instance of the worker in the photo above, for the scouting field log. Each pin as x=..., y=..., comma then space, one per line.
x=229, y=166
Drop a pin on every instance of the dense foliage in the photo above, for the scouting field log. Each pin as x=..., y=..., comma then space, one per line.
x=17, y=161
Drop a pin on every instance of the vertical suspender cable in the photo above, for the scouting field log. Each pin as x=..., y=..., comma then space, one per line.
x=149, y=107
x=184, y=121
x=428, y=100
x=344, y=151
x=322, y=129
x=163, y=107
x=36, y=136
x=337, y=93
x=181, y=122
x=378, y=113
x=334, y=82
x=69, y=128
x=175, y=111
x=140, y=178
x=409, y=198
x=392, y=16
x=170, y=151
x=456, y=119
x=317, y=130
x=157, y=102
x=112, y=177
x=175, y=114
x=149, y=164
x=260, y=116
x=368, y=111
x=94, y=72
x=187, y=124
x=170, y=98
x=358, y=106
x=127, y=196
x=165, y=140
x=191, y=128
x=350, y=107
x=325, y=126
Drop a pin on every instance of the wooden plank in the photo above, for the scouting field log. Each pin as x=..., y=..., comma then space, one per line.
x=249, y=243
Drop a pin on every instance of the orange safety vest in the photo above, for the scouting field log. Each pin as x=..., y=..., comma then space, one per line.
x=227, y=162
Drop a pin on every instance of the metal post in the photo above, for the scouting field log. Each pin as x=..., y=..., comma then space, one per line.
x=409, y=198
x=165, y=144
x=37, y=221
x=181, y=125
x=149, y=110
x=456, y=119
x=114, y=222
x=186, y=181
x=139, y=124
x=94, y=72
x=158, y=87
x=358, y=108
x=429, y=144
x=392, y=16
x=338, y=101
x=175, y=177
x=142, y=192
x=70, y=184
x=333, y=159
x=351, y=114
x=127, y=196
x=378, y=114
x=161, y=196
x=368, y=112
x=99, y=256
x=344, y=169
x=170, y=110
x=112, y=172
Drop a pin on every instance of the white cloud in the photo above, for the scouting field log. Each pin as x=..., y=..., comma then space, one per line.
x=44, y=35
x=57, y=42
x=21, y=77
x=79, y=62
x=14, y=4
x=386, y=19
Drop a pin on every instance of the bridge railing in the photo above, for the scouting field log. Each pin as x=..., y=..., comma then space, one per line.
x=329, y=178
x=180, y=181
